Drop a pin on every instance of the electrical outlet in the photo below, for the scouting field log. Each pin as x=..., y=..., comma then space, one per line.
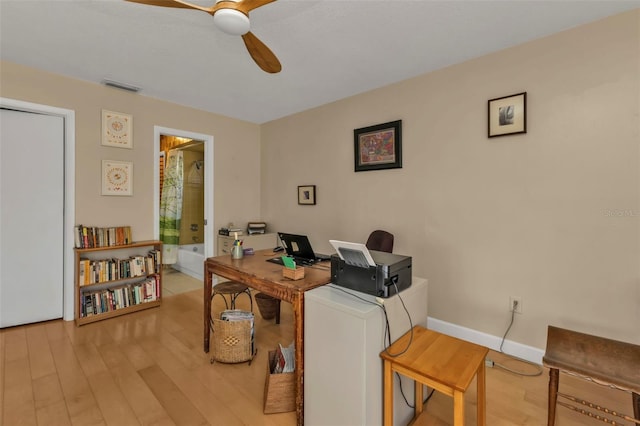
x=515, y=304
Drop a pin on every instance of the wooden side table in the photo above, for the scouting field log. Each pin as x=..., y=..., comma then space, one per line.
x=441, y=362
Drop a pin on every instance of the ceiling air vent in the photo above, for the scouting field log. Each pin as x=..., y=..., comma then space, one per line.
x=118, y=85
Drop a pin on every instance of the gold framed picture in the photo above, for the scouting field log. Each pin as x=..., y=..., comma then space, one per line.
x=117, y=177
x=507, y=115
x=117, y=129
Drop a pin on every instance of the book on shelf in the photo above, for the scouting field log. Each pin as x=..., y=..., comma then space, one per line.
x=112, y=269
x=98, y=237
x=106, y=300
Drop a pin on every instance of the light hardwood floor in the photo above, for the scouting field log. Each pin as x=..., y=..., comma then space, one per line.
x=150, y=368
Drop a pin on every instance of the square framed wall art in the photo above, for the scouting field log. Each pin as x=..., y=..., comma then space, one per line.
x=507, y=115
x=378, y=147
x=307, y=195
x=117, y=177
x=117, y=129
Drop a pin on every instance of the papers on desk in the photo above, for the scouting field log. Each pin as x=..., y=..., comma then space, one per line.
x=284, y=360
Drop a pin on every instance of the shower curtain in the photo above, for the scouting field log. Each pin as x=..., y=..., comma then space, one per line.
x=171, y=207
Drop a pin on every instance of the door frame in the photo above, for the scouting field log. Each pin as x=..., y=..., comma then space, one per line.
x=69, y=117
x=208, y=182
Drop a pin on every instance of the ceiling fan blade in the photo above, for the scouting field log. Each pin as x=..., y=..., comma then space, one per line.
x=172, y=3
x=248, y=5
x=260, y=53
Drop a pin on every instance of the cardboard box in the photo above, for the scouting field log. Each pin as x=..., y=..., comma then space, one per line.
x=279, y=390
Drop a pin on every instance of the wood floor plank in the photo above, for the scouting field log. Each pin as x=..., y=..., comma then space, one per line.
x=47, y=391
x=187, y=380
x=146, y=406
x=40, y=358
x=179, y=407
x=149, y=368
x=19, y=406
x=53, y=414
x=2, y=375
x=81, y=404
x=16, y=343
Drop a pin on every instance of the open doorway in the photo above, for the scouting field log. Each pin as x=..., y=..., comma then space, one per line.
x=192, y=239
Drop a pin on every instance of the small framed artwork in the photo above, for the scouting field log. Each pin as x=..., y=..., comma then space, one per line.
x=117, y=177
x=378, y=147
x=307, y=195
x=508, y=115
x=117, y=129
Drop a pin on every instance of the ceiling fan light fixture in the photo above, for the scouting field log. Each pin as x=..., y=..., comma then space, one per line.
x=231, y=21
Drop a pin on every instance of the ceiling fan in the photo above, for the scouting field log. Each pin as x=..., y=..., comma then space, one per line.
x=232, y=17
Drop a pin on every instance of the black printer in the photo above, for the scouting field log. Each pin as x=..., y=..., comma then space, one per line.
x=377, y=280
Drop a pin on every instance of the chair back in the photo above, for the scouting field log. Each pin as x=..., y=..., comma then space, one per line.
x=380, y=240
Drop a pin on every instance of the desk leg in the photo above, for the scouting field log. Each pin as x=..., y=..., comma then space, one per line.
x=481, y=392
x=208, y=282
x=458, y=408
x=387, y=405
x=298, y=326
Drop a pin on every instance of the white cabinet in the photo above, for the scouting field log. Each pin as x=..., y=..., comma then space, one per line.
x=255, y=241
x=344, y=335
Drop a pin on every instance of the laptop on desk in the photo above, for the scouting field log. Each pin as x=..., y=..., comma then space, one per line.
x=299, y=248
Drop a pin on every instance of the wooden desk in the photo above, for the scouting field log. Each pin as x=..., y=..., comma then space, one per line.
x=266, y=277
x=441, y=362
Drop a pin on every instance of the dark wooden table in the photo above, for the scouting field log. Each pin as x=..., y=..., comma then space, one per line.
x=266, y=277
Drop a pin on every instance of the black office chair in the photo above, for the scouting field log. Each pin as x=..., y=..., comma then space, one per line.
x=380, y=241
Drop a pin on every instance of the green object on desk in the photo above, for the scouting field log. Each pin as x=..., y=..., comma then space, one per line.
x=288, y=262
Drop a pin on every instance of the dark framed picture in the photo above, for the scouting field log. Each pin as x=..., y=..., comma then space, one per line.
x=507, y=115
x=378, y=147
x=307, y=194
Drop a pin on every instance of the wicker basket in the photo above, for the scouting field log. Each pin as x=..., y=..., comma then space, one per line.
x=268, y=306
x=279, y=390
x=232, y=341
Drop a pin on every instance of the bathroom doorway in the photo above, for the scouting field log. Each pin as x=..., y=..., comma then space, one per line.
x=189, y=156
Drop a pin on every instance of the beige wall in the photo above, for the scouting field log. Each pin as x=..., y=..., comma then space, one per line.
x=237, y=190
x=551, y=216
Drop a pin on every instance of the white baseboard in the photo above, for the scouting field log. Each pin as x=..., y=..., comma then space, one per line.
x=509, y=347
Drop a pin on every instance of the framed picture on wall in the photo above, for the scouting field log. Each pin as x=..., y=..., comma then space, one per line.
x=117, y=177
x=117, y=129
x=307, y=194
x=378, y=147
x=507, y=115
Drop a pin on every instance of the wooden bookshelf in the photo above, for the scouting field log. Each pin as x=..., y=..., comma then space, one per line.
x=117, y=280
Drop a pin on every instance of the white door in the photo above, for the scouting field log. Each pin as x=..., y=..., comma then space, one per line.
x=31, y=217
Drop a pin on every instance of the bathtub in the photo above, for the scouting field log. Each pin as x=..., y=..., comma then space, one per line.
x=191, y=260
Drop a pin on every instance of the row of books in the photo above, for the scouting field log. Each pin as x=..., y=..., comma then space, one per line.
x=284, y=360
x=93, y=236
x=100, y=271
x=107, y=300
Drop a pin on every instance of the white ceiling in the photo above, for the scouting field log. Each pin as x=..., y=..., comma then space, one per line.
x=329, y=49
